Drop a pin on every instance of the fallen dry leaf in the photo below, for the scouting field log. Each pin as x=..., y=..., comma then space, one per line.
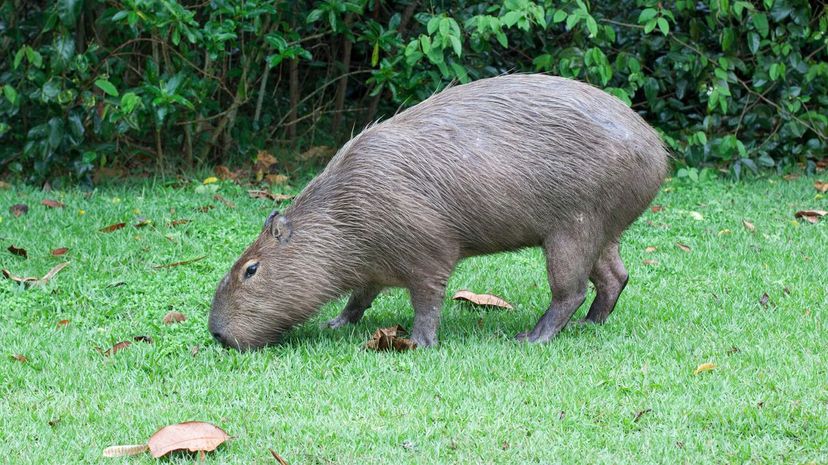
x=59, y=251
x=112, y=227
x=263, y=194
x=650, y=249
x=226, y=202
x=276, y=178
x=481, y=299
x=697, y=216
x=278, y=457
x=52, y=203
x=195, y=436
x=205, y=208
x=640, y=414
x=62, y=323
x=821, y=186
x=704, y=367
x=683, y=247
x=20, y=358
x=174, y=317
x=5, y=185
x=748, y=225
x=822, y=164
x=123, y=451
x=790, y=177
x=320, y=151
x=194, y=350
x=175, y=223
x=811, y=216
x=389, y=339
x=19, y=251
x=124, y=344
x=19, y=209
x=185, y=262
x=265, y=162
x=650, y=262
x=763, y=301
x=142, y=222
x=224, y=172
x=210, y=180
x=656, y=208
x=36, y=281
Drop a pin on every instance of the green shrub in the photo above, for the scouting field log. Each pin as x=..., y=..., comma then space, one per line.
x=173, y=83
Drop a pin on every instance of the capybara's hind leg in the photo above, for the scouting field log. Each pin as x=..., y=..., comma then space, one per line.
x=568, y=262
x=360, y=301
x=610, y=277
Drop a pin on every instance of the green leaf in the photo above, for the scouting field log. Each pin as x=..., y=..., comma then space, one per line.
x=559, y=16
x=753, y=42
x=760, y=22
x=68, y=11
x=18, y=57
x=433, y=24
x=728, y=37
x=456, y=45
x=663, y=26
x=10, y=93
x=375, y=55
x=592, y=26
x=107, y=87
x=314, y=16
x=648, y=28
x=510, y=18
x=461, y=72
x=571, y=21
x=129, y=101
x=646, y=15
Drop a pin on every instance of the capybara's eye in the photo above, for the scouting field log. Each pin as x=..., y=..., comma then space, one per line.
x=251, y=270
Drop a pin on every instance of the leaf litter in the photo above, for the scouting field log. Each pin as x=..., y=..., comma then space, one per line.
x=36, y=281
x=194, y=436
x=486, y=300
x=386, y=339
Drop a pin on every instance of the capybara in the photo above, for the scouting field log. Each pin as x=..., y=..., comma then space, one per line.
x=494, y=165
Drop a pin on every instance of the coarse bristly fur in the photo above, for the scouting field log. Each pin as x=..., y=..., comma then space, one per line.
x=493, y=165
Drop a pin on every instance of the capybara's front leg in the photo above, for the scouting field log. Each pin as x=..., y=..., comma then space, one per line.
x=360, y=301
x=427, y=299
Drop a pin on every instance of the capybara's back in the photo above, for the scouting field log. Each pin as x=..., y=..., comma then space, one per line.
x=490, y=166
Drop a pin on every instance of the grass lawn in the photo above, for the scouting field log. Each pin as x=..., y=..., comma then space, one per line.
x=623, y=392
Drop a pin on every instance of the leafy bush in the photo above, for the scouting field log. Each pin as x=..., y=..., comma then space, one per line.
x=730, y=84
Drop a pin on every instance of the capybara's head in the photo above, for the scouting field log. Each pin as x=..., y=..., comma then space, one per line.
x=271, y=287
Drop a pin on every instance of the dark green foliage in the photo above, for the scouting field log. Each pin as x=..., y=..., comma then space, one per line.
x=730, y=84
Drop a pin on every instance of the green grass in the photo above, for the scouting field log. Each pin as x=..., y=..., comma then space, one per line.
x=479, y=397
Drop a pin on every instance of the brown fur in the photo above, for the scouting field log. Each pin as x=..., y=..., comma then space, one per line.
x=494, y=165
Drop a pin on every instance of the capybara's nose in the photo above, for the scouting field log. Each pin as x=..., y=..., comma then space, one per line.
x=220, y=338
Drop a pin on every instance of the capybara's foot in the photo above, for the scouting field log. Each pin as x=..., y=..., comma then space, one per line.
x=424, y=340
x=338, y=322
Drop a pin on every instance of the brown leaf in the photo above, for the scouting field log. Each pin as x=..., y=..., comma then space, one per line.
x=112, y=227
x=811, y=216
x=174, y=317
x=650, y=262
x=52, y=203
x=195, y=436
x=19, y=209
x=205, y=208
x=185, y=262
x=264, y=161
x=224, y=173
x=62, y=323
x=264, y=194
x=142, y=222
x=320, y=151
x=124, y=344
x=278, y=457
x=20, y=358
x=748, y=225
x=704, y=367
x=123, y=451
x=732, y=350
x=194, y=350
x=226, y=202
x=276, y=178
x=641, y=413
x=790, y=177
x=763, y=301
x=656, y=208
x=683, y=247
x=821, y=186
x=389, y=338
x=35, y=281
x=650, y=249
x=481, y=299
x=59, y=251
x=18, y=251
x=175, y=223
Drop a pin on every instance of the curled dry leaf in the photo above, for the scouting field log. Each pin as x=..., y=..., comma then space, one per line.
x=185, y=262
x=123, y=451
x=276, y=178
x=697, y=216
x=19, y=209
x=650, y=249
x=20, y=358
x=811, y=216
x=821, y=186
x=278, y=457
x=205, y=208
x=174, y=317
x=175, y=223
x=19, y=251
x=763, y=301
x=124, y=344
x=36, y=281
x=748, y=225
x=59, y=251
x=264, y=194
x=481, y=299
x=112, y=227
x=320, y=151
x=142, y=222
x=656, y=208
x=62, y=323
x=704, y=367
x=226, y=202
x=640, y=414
x=224, y=173
x=52, y=203
x=650, y=262
x=195, y=436
x=389, y=339
x=683, y=247
x=790, y=177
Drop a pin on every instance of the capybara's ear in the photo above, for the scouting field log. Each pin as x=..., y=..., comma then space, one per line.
x=281, y=229
x=269, y=220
